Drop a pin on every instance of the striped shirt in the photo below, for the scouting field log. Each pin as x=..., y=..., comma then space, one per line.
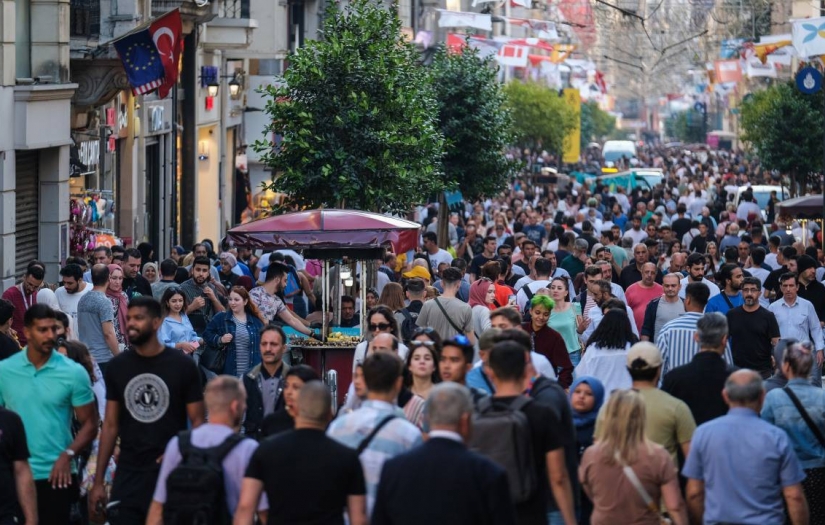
x=396, y=437
x=677, y=345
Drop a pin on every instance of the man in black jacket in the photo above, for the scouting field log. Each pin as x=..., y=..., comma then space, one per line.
x=441, y=481
x=265, y=382
x=134, y=283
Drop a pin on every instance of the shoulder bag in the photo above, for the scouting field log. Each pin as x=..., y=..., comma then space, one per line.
x=214, y=356
x=640, y=489
x=805, y=416
x=367, y=440
x=449, y=320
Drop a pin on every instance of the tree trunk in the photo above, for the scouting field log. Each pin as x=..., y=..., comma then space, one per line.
x=443, y=228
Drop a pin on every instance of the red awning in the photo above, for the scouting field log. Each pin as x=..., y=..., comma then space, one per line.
x=327, y=228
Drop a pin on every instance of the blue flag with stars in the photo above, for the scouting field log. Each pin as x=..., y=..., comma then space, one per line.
x=141, y=61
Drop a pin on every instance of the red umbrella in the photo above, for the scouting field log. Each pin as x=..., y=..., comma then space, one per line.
x=327, y=228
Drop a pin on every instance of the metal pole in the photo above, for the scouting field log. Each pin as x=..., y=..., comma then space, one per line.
x=822, y=224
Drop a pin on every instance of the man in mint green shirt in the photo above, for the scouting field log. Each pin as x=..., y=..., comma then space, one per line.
x=45, y=389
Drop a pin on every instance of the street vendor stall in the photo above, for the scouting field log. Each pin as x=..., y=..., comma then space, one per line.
x=340, y=239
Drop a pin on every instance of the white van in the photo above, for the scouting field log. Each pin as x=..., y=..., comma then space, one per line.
x=614, y=150
x=762, y=194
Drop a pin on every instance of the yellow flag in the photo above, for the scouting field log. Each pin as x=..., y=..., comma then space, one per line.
x=572, y=142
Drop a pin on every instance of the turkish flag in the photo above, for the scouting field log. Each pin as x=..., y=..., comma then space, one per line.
x=167, y=33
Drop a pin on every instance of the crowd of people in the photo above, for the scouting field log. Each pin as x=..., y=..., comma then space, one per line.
x=569, y=356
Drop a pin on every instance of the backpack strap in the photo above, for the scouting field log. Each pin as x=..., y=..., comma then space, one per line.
x=527, y=291
x=185, y=443
x=485, y=404
x=367, y=440
x=220, y=452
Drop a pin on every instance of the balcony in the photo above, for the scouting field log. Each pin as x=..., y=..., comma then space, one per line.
x=192, y=11
x=232, y=27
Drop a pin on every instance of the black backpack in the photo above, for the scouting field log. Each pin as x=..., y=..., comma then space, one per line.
x=504, y=437
x=408, y=326
x=525, y=314
x=195, y=493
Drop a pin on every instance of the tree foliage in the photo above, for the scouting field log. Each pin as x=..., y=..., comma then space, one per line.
x=357, y=116
x=595, y=123
x=686, y=126
x=540, y=116
x=476, y=125
x=785, y=127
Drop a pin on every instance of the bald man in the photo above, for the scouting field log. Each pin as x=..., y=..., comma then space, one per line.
x=225, y=399
x=286, y=464
x=639, y=295
x=722, y=456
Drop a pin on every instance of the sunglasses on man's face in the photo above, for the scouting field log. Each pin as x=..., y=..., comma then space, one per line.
x=379, y=326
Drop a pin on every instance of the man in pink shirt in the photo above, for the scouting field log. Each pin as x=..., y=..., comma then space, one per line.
x=639, y=294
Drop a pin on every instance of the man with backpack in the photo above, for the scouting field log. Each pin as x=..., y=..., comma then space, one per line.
x=202, y=469
x=416, y=290
x=387, y=432
x=534, y=458
x=525, y=294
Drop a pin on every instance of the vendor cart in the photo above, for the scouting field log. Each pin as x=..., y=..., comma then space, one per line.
x=340, y=239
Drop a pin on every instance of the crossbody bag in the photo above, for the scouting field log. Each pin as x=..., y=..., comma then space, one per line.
x=805, y=416
x=449, y=320
x=640, y=489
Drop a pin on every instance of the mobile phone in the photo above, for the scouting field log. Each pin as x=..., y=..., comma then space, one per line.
x=511, y=299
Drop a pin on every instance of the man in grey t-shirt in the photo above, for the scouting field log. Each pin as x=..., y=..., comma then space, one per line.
x=661, y=311
x=458, y=318
x=95, y=319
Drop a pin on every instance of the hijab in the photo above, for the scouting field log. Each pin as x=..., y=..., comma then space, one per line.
x=122, y=305
x=478, y=293
x=157, y=273
x=581, y=419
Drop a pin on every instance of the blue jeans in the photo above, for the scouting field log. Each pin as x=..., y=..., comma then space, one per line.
x=576, y=357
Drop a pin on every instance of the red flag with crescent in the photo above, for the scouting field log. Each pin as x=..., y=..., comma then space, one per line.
x=167, y=33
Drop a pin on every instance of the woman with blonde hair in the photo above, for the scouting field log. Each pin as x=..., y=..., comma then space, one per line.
x=625, y=474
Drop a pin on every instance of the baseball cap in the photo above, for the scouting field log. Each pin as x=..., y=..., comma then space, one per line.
x=418, y=271
x=643, y=356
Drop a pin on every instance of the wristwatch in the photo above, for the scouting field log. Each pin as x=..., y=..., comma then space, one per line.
x=69, y=452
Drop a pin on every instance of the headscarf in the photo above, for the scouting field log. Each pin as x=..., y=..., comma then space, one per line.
x=155, y=266
x=122, y=303
x=246, y=282
x=228, y=257
x=478, y=293
x=585, y=418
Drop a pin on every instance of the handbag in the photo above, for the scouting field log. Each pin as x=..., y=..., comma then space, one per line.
x=806, y=417
x=214, y=356
x=640, y=489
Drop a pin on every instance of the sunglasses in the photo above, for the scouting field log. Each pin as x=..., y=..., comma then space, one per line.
x=379, y=326
x=416, y=344
x=426, y=330
x=460, y=339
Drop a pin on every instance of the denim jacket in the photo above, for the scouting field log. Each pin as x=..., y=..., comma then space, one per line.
x=779, y=410
x=223, y=323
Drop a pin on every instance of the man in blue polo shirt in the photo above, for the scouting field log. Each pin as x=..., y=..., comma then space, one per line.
x=725, y=484
x=45, y=388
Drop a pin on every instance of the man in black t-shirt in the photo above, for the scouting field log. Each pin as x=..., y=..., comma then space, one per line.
x=17, y=491
x=489, y=254
x=150, y=394
x=307, y=477
x=508, y=373
x=754, y=331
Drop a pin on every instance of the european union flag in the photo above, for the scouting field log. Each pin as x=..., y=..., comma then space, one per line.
x=141, y=61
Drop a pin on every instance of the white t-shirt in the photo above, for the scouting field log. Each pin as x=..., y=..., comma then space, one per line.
x=714, y=290
x=637, y=235
x=68, y=305
x=441, y=256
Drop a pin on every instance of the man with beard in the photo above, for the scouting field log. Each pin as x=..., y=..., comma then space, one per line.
x=809, y=287
x=730, y=278
x=632, y=273
x=45, y=389
x=753, y=331
x=152, y=393
x=264, y=384
x=270, y=304
x=696, y=274
x=202, y=296
x=133, y=282
x=225, y=399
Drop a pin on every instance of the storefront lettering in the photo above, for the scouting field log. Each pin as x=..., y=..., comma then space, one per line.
x=89, y=152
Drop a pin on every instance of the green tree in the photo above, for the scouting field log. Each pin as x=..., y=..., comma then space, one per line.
x=476, y=125
x=358, y=117
x=686, y=126
x=595, y=123
x=540, y=116
x=785, y=127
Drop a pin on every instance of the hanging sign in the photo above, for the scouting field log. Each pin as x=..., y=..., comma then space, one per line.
x=809, y=80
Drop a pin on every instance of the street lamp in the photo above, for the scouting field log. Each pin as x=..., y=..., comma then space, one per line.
x=212, y=89
x=234, y=87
